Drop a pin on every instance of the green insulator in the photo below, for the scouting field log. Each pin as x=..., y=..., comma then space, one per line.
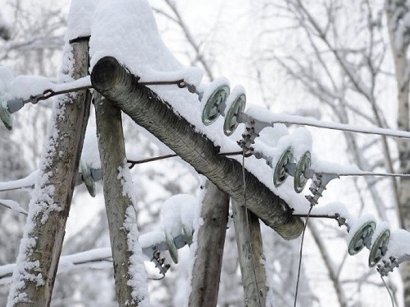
x=379, y=247
x=87, y=178
x=303, y=164
x=361, y=238
x=231, y=118
x=280, y=174
x=187, y=234
x=213, y=104
x=6, y=116
x=173, y=250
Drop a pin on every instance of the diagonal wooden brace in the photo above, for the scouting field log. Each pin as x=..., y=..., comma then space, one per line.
x=148, y=110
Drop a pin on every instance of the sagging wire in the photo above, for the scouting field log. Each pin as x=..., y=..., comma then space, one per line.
x=370, y=174
x=18, y=210
x=388, y=291
x=50, y=93
x=142, y=161
x=131, y=163
x=300, y=256
x=16, y=104
x=156, y=278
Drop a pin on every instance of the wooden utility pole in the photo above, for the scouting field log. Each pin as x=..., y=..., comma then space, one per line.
x=40, y=248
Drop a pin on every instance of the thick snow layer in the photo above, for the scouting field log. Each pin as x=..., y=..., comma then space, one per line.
x=26, y=86
x=271, y=135
x=25, y=182
x=178, y=212
x=334, y=168
x=92, y=258
x=128, y=188
x=79, y=23
x=152, y=238
x=79, y=83
x=301, y=141
x=90, y=154
x=138, y=278
x=6, y=77
x=191, y=75
x=142, y=50
x=189, y=210
x=355, y=224
x=269, y=117
x=12, y=205
x=399, y=244
x=137, y=274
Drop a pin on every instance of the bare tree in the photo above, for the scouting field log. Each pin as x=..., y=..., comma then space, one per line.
x=345, y=71
x=397, y=13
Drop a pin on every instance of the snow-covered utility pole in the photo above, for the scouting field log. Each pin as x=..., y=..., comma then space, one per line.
x=120, y=203
x=148, y=110
x=40, y=248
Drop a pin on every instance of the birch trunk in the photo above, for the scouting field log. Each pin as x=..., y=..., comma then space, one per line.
x=40, y=248
x=206, y=272
x=401, y=65
x=148, y=110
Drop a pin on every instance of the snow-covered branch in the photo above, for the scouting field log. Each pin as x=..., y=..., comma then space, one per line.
x=12, y=205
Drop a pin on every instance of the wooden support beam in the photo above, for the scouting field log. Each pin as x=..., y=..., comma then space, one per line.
x=151, y=112
x=206, y=272
x=112, y=153
x=251, y=258
x=40, y=248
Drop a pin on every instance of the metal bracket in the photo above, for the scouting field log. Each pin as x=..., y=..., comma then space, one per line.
x=6, y=117
x=318, y=185
x=341, y=221
x=160, y=262
x=388, y=266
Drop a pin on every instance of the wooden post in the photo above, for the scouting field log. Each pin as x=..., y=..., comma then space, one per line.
x=251, y=258
x=117, y=202
x=40, y=248
x=207, y=267
x=148, y=110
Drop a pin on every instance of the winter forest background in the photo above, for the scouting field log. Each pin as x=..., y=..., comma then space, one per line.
x=339, y=60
